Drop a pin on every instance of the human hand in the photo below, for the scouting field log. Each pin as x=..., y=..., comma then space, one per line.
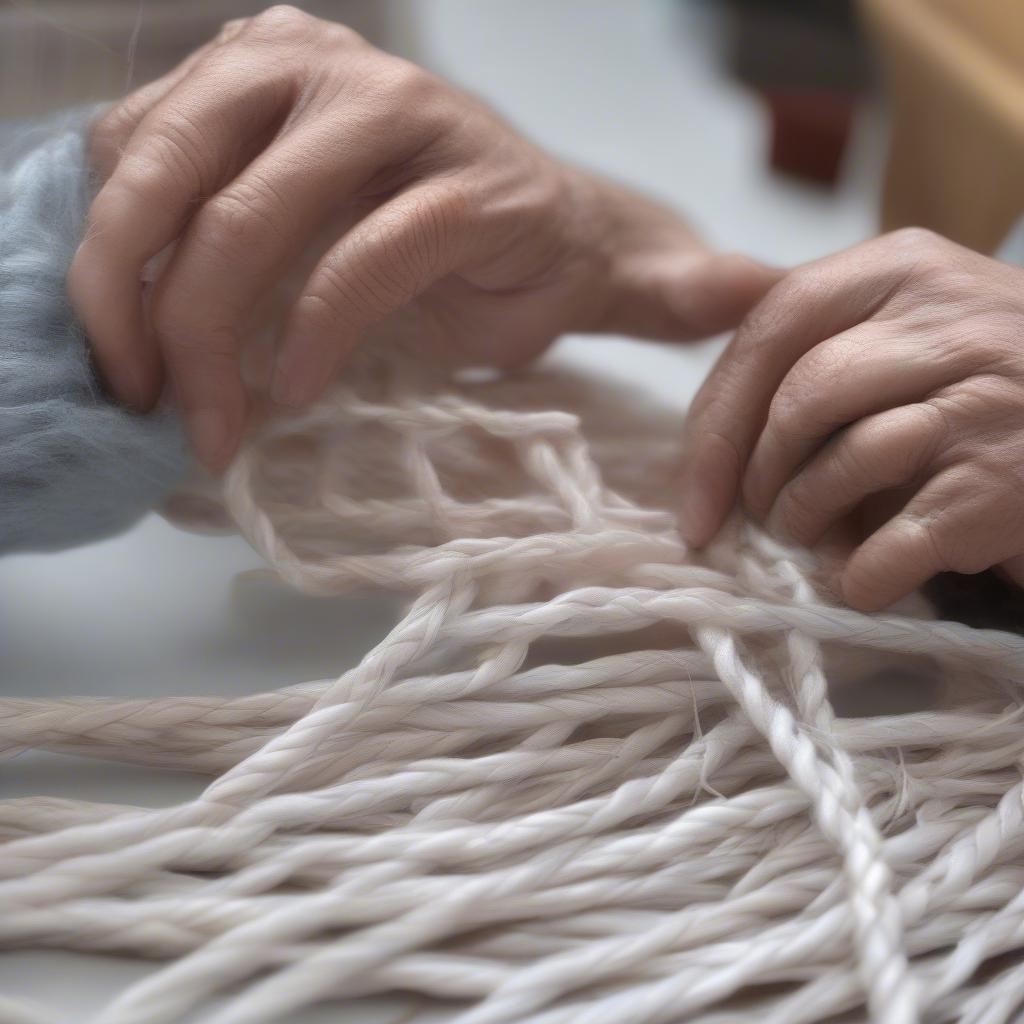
x=888, y=379
x=285, y=124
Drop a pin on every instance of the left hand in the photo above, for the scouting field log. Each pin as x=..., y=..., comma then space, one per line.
x=290, y=140
x=889, y=376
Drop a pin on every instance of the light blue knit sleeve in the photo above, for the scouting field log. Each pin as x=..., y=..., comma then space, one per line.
x=73, y=467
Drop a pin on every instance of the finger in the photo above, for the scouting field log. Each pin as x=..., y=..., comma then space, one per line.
x=111, y=131
x=395, y=253
x=955, y=523
x=721, y=291
x=842, y=380
x=184, y=148
x=882, y=452
x=235, y=249
x=811, y=304
x=705, y=293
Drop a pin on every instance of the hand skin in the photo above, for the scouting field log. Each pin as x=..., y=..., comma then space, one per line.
x=888, y=381
x=285, y=124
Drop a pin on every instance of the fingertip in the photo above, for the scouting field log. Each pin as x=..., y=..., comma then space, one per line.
x=697, y=518
x=864, y=583
x=699, y=515
x=306, y=364
x=208, y=389
x=709, y=486
x=124, y=359
x=722, y=290
x=856, y=596
x=213, y=436
x=130, y=384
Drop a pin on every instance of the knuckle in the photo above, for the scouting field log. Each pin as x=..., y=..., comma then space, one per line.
x=340, y=35
x=237, y=218
x=407, y=82
x=788, y=414
x=946, y=409
x=284, y=24
x=765, y=323
x=398, y=256
x=230, y=29
x=401, y=96
x=948, y=548
x=823, y=372
x=177, y=146
x=890, y=450
x=797, y=286
x=853, y=464
x=112, y=126
x=282, y=21
x=927, y=429
x=920, y=249
x=223, y=225
x=913, y=238
x=137, y=181
x=433, y=218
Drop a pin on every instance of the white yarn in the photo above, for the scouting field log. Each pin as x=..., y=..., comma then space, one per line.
x=586, y=777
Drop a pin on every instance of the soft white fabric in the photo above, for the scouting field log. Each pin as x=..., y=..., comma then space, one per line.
x=586, y=777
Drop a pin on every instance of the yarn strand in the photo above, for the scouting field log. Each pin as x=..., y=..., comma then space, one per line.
x=588, y=775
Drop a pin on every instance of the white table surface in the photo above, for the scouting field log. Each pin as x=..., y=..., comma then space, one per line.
x=628, y=88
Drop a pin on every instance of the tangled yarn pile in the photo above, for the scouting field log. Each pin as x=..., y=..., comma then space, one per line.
x=586, y=777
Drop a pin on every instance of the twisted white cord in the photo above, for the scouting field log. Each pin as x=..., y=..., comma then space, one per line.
x=586, y=777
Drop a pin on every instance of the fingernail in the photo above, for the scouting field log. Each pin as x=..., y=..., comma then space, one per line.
x=709, y=486
x=209, y=431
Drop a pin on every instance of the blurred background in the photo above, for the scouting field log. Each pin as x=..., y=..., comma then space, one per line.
x=729, y=86
x=786, y=129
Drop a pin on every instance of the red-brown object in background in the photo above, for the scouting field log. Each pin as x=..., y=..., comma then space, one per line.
x=809, y=130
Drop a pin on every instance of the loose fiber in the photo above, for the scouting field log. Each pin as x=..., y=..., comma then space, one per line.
x=586, y=776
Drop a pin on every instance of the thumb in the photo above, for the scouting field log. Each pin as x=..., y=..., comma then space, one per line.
x=713, y=294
